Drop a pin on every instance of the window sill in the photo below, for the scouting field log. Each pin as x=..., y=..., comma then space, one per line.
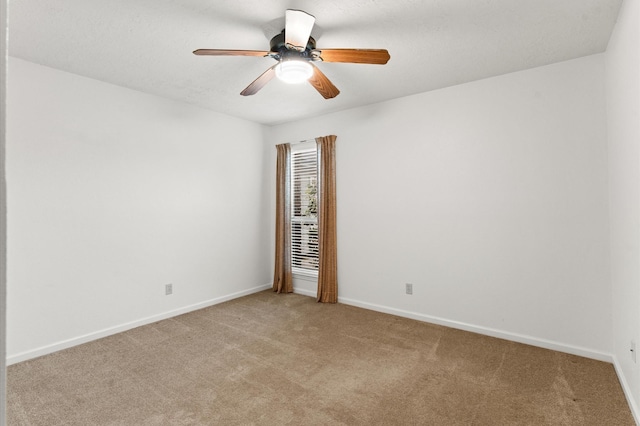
x=304, y=274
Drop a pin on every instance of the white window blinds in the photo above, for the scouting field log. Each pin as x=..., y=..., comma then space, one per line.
x=304, y=209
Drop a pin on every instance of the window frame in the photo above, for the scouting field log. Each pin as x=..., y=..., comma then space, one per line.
x=304, y=146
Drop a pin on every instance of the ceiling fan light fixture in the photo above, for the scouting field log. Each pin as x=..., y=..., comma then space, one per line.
x=295, y=50
x=294, y=71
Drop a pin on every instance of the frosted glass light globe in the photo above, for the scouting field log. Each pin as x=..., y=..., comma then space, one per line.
x=294, y=72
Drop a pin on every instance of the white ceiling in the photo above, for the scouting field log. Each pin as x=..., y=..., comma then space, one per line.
x=146, y=45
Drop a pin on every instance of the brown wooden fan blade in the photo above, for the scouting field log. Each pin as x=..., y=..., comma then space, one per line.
x=297, y=30
x=259, y=82
x=323, y=84
x=355, y=56
x=228, y=52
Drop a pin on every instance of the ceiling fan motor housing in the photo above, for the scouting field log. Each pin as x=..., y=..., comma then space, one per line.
x=282, y=50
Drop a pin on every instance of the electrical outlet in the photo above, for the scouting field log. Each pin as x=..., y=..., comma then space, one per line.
x=168, y=289
x=409, y=288
x=633, y=350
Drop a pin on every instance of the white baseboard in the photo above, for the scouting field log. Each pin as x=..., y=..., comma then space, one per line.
x=44, y=350
x=520, y=338
x=547, y=344
x=627, y=390
x=528, y=340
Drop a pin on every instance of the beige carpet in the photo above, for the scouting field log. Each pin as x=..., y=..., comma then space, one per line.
x=270, y=359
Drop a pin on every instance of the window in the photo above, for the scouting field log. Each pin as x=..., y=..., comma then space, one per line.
x=304, y=208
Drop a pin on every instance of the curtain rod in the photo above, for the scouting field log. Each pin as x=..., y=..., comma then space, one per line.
x=297, y=142
x=303, y=141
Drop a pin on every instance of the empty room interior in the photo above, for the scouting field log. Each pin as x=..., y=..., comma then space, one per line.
x=487, y=181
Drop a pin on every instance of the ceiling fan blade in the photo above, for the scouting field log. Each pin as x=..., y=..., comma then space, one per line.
x=228, y=52
x=259, y=82
x=355, y=56
x=298, y=26
x=323, y=84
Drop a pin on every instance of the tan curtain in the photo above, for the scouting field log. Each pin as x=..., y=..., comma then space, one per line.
x=282, y=280
x=327, y=238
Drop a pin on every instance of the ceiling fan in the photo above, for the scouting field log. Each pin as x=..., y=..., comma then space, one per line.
x=295, y=50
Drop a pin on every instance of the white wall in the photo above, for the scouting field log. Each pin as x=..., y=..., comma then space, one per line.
x=3, y=211
x=489, y=197
x=112, y=194
x=623, y=117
